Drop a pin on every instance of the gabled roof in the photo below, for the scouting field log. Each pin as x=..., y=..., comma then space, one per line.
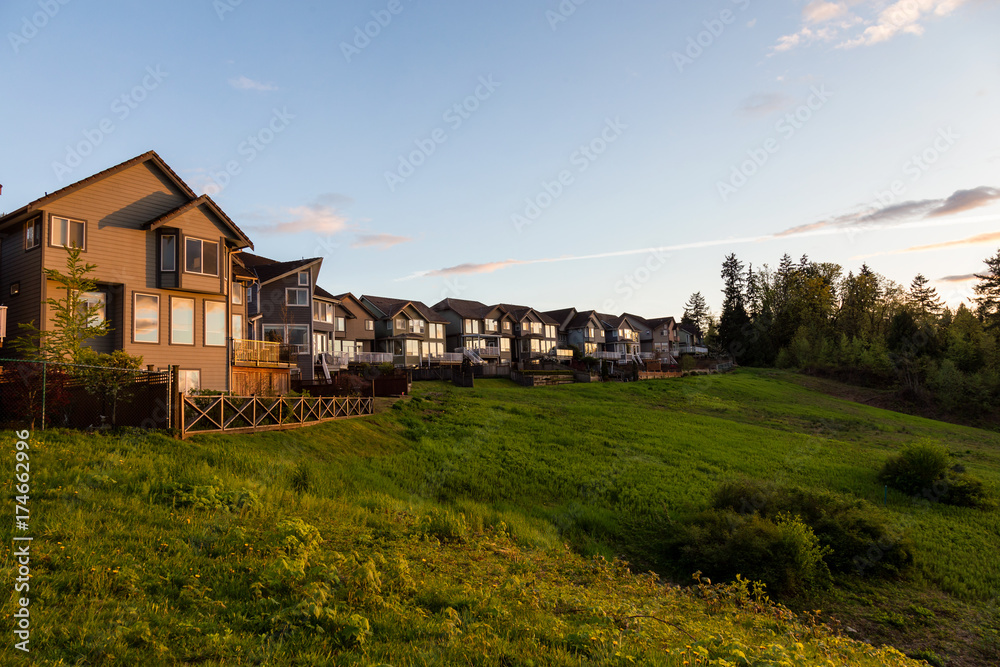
x=520, y=312
x=149, y=156
x=690, y=328
x=616, y=321
x=561, y=316
x=472, y=310
x=657, y=322
x=583, y=319
x=323, y=294
x=349, y=296
x=268, y=270
x=638, y=319
x=198, y=201
x=392, y=307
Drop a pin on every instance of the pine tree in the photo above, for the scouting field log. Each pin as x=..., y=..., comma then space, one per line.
x=924, y=298
x=73, y=322
x=733, y=321
x=696, y=311
x=988, y=294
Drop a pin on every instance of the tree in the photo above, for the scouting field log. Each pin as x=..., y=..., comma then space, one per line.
x=73, y=321
x=987, y=291
x=696, y=311
x=734, y=319
x=923, y=298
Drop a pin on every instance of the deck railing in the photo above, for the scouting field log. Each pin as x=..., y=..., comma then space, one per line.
x=247, y=414
x=262, y=352
x=372, y=358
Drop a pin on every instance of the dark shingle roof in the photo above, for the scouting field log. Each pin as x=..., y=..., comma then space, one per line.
x=391, y=307
x=519, y=313
x=269, y=269
x=559, y=315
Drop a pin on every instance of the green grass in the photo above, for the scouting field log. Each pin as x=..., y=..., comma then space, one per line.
x=472, y=526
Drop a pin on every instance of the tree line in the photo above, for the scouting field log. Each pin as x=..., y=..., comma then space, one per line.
x=861, y=327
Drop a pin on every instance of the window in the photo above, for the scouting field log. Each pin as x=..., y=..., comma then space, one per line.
x=471, y=326
x=435, y=349
x=303, y=278
x=237, y=294
x=536, y=345
x=412, y=347
x=97, y=300
x=506, y=326
x=215, y=323
x=188, y=381
x=238, y=326
x=15, y=288
x=201, y=257
x=323, y=312
x=417, y=326
x=436, y=331
x=181, y=321
x=505, y=344
x=67, y=233
x=491, y=325
x=296, y=296
x=341, y=324
x=536, y=327
x=168, y=253
x=550, y=331
x=274, y=333
x=298, y=335
x=146, y=319
x=32, y=233
x=369, y=325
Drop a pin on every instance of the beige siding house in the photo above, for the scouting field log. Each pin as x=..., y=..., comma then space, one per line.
x=163, y=265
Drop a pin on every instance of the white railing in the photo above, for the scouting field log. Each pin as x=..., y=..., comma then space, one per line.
x=692, y=349
x=446, y=358
x=336, y=360
x=372, y=358
x=614, y=356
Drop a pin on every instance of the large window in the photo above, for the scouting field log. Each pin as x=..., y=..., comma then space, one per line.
x=550, y=331
x=32, y=233
x=437, y=331
x=201, y=257
x=417, y=326
x=341, y=324
x=188, y=381
x=295, y=296
x=412, y=348
x=146, y=319
x=471, y=326
x=181, y=321
x=274, y=333
x=298, y=335
x=536, y=327
x=168, y=253
x=67, y=233
x=435, y=349
x=323, y=312
x=491, y=326
x=215, y=323
x=505, y=344
x=97, y=300
x=238, y=326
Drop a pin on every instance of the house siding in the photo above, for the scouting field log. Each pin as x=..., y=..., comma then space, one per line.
x=18, y=265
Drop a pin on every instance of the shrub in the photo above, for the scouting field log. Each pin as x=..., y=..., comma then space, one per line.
x=849, y=528
x=968, y=491
x=916, y=468
x=783, y=553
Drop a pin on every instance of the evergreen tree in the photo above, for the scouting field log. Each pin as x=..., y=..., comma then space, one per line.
x=988, y=294
x=924, y=298
x=733, y=321
x=696, y=311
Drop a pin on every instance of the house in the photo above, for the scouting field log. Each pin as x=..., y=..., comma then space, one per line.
x=482, y=333
x=535, y=335
x=582, y=330
x=352, y=338
x=164, y=280
x=621, y=337
x=410, y=331
x=659, y=340
x=690, y=340
x=280, y=306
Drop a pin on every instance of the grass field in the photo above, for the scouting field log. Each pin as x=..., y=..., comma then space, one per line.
x=478, y=526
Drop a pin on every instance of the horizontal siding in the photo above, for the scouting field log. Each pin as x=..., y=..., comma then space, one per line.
x=18, y=265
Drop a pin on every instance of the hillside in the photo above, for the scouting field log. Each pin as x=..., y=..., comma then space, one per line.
x=480, y=526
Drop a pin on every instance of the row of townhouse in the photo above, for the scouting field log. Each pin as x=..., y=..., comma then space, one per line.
x=178, y=283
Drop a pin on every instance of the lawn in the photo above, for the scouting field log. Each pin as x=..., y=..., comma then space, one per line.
x=480, y=526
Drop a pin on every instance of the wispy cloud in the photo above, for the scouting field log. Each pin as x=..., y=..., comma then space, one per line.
x=979, y=239
x=857, y=23
x=762, y=104
x=246, y=83
x=964, y=278
x=319, y=217
x=957, y=202
x=381, y=241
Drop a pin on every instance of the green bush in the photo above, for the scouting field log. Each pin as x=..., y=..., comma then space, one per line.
x=783, y=553
x=916, y=468
x=968, y=491
x=854, y=532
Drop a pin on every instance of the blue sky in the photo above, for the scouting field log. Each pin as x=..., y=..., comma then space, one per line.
x=576, y=153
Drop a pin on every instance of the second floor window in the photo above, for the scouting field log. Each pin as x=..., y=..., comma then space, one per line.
x=323, y=312
x=340, y=324
x=369, y=325
x=506, y=326
x=304, y=278
x=32, y=233
x=471, y=326
x=201, y=257
x=417, y=326
x=296, y=296
x=67, y=233
x=168, y=253
x=550, y=331
x=237, y=292
x=99, y=300
x=491, y=325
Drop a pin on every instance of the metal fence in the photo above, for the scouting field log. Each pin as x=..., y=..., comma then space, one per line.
x=43, y=394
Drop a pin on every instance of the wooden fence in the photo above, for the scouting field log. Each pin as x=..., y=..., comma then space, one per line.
x=249, y=414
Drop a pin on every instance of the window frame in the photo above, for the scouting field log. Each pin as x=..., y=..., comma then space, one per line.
x=340, y=324
x=156, y=328
x=82, y=223
x=369, y=325
x=296, y=290
x=179, y=299
x=103, y=300
x=236, y=294
x=308, y=278
x=173, y=256
x=237, y=327
x=202, y=242
x=204, y=328
x=35, y=224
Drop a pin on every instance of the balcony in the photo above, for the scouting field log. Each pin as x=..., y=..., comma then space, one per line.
x=446, y=358
x=611, y=356
x=262, y=353
x=692, y=349
x=334, y=360
x=371, y=358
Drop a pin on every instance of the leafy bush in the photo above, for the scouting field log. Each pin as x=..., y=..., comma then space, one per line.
x=850, y=529
x=916, y=468
x=783, y=553
x=969, y=491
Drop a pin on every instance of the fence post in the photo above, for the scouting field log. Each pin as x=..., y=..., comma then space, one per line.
x=44, y=383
